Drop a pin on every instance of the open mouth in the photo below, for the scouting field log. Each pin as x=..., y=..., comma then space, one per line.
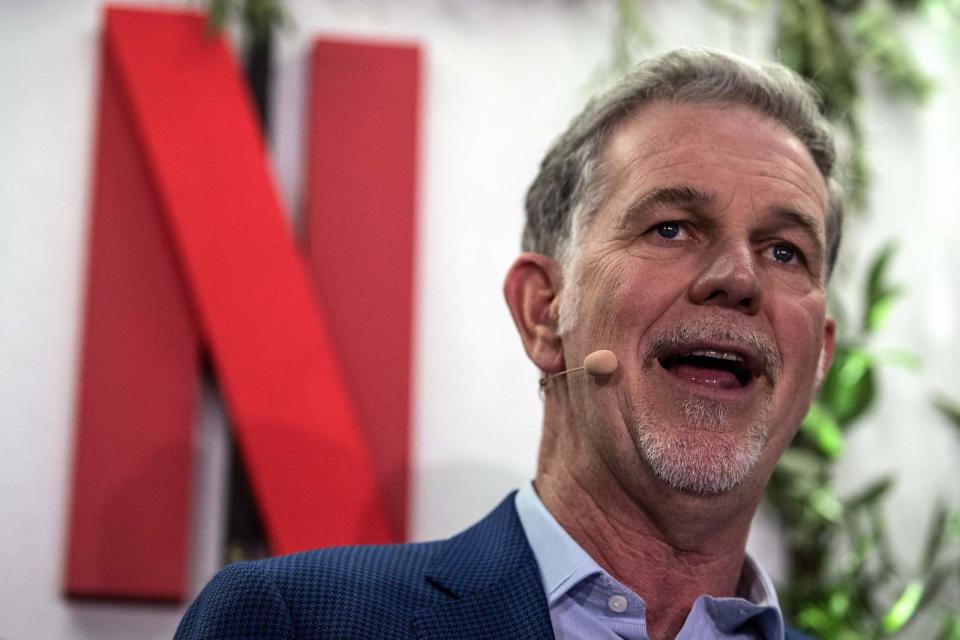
x=712, y=366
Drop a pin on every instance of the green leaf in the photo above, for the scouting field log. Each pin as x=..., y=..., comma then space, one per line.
x=877, y=272
x=814, y=619
x=845, y=6
x=262, y=18
x=217, y=11
x=949, y=408
x=950, y=630
x=936, y=535
x=953, y=526
x=632, y=21
x=870, y=495
x=629, y=33
x=899, y=358
x=857, y=173
x=880, y=294
x=849, y=387
x=880, y=309
x=935, y=581
x=863, y=545
x=810, y=42
x=797, y=462
x=883, y=51
x=839, y=604
x=823, y=430
x=826, y=504
x=907, y=5
x=904, y=608
x=878, y=527
x=855, y=387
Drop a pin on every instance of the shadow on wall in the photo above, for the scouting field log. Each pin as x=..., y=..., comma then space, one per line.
x=89, y=620
x=454, y=496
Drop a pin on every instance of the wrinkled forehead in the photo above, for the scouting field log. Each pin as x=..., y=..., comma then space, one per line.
x=669, y=142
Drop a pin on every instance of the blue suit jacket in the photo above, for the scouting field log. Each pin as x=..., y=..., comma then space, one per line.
x=481, y=584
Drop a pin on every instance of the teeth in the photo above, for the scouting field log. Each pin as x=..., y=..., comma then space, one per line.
x=721, y=355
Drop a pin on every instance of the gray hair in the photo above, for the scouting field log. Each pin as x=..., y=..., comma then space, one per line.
x=569, y=188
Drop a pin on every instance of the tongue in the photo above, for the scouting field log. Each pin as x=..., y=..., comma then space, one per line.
x=709, y=377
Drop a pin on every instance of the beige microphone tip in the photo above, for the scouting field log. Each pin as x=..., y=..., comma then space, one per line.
x=600, y=363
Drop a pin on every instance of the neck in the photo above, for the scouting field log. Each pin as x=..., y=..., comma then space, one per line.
x=669, y=548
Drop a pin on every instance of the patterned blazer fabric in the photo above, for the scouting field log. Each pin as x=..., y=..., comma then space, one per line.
x=482, y=584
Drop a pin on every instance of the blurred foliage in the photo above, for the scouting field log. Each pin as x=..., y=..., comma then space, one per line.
x=832, y=43
x=259, y=23
x=846, y=583
x=259, y=19
x=630, y=34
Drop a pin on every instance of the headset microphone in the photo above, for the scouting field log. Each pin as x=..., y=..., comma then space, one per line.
x=597, y=364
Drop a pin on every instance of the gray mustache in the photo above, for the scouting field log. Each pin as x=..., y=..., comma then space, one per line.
x=693, y=332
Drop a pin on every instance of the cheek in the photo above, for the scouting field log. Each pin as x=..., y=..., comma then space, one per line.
x=799, y=330
x=603, y=296
x=628, y=296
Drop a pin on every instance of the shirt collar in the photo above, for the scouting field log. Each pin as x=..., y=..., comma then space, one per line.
x=563, y=563
x=755, y=584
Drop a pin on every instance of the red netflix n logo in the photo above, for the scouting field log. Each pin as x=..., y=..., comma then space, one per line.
x=189, y=250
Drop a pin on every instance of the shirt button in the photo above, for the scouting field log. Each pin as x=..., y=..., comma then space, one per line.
x=617, y=604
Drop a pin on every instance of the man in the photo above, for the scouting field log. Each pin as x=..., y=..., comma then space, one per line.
x=687, y=222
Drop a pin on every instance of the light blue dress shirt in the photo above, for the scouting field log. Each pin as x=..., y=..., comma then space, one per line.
x=586, y=602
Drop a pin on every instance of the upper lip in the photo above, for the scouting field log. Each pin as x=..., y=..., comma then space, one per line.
x=744, y=355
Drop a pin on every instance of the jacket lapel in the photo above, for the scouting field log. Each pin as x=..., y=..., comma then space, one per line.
x=505, y=610
x=492, y=582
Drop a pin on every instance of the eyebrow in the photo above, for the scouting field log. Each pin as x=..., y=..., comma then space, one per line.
x=674, y=195
x=807, y=225
x=795, y=218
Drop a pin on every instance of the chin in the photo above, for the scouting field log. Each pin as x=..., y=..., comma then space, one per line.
x=702, y=454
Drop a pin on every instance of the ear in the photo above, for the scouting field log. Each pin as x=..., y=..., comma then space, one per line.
x=531, y=288
x=826, y=351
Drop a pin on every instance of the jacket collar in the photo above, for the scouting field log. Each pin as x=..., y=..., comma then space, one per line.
x=493, y=584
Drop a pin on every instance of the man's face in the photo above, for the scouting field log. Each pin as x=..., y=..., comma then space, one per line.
x=703, y=271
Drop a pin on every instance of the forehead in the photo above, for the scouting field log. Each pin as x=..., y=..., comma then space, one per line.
x=717, y=147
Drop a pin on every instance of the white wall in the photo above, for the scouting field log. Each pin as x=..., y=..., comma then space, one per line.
x=501, y=80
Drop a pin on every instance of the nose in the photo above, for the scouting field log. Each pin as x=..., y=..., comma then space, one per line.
x=729, y=279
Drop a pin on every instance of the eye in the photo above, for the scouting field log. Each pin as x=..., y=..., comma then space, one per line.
x=670, y=230
x=786, y=254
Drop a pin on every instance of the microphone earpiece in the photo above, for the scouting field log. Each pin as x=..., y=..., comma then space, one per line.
x=597, y=364
x=600, y=363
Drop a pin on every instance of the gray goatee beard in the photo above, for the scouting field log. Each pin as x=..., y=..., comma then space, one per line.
x=702, y=457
